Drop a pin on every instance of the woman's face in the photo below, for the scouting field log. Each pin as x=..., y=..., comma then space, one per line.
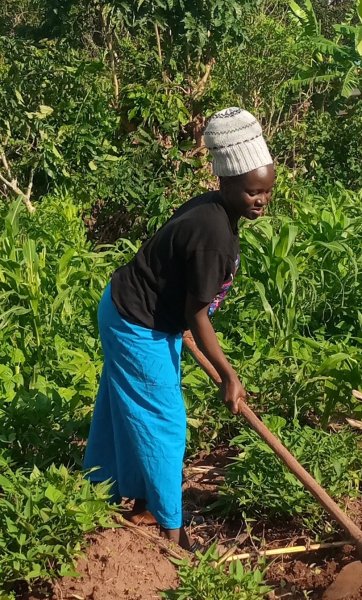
x=248, y=195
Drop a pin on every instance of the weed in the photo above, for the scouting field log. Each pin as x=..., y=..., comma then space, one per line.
x=258, y=483
x=43, y=519
x=209, y=581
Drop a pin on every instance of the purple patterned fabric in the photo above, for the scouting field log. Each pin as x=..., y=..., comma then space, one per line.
x=220, y=297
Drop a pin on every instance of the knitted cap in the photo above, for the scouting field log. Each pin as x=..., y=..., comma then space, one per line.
x=234, y=138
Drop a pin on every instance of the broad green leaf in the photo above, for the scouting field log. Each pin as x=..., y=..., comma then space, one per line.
x=358, y=40
x=194, y=422
x=287, y=236
x=6, y=483
x=280, y=279
x=6, y=374
x=350, y=81
x=11, y=525
x=334, y=246
x=53, y=494
x=19, y=97
x=12, y=218
x=45, y=110
x=65, y=259
x=267, y=307
x=330, y=363
x=31, y=257
x=359, y=9
x=298, y=11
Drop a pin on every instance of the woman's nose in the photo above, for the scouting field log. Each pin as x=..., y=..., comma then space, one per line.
x=262, y=199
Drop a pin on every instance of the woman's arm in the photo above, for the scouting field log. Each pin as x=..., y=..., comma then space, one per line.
x=196, y=314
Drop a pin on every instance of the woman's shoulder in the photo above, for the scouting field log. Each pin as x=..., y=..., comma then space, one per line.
x=202, y=223
x=202, y=209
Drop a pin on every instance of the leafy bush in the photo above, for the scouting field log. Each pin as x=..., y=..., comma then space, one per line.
x=207, y=581
x=258, y=483
x=292, y=321
x=57, y=125
x=43, y=519
x=321, y=146
x=50, y=283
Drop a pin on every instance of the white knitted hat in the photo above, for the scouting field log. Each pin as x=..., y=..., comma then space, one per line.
x=235, y=140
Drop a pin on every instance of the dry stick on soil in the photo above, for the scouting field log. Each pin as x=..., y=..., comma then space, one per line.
x=159, y=52
x=227, y=556
x=136, y=529
x=281, y=551
x=158, y=40
x=205, y=470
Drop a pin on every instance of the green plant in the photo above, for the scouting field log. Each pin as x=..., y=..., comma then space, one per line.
x=337, y=60
x=259, y=484
x=209, y=581
x=49, y=96
x=50, y=356
x=322, y=148
x=43, y=518
x=291, y=323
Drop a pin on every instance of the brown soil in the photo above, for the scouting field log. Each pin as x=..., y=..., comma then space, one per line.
x=122, y=565
x=291, y=577
x=119, y=566
x=312, y=573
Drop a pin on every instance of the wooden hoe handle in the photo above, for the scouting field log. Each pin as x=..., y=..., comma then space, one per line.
x=288, y=459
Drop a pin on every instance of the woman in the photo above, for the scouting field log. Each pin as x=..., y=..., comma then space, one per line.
x=174, y=283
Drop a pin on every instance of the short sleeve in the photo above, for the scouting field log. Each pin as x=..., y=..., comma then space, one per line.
x=205, y=273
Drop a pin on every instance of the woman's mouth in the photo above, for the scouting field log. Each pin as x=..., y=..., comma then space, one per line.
x=258, y=211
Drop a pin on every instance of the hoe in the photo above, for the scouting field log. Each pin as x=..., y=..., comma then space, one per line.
x=349, y=581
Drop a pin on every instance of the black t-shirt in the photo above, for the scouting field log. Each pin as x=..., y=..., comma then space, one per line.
x=195, y=251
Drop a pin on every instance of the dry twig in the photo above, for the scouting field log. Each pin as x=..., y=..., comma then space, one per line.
x=288, y=550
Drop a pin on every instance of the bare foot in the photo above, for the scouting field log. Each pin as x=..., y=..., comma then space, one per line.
x=178, y=536
x=140, y=515
x=143, y=518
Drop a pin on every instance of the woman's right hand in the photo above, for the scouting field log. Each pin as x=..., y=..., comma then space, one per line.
x=232, y=392
x=196, y=314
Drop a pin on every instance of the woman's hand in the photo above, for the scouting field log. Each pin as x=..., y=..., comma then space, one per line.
x=203, y=344
x=232, y=392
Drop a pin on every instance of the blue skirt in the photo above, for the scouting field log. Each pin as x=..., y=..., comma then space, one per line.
x=138, y=430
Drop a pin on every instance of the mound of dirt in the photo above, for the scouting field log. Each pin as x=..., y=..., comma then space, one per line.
x=119, y=565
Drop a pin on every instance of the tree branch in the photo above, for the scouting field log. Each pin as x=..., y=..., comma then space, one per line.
x=158, y=39
x=12, y=184
x=111, y=54
x=6, y=164
x=201, y=85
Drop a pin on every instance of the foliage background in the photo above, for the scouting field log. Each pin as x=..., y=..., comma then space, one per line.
x=102, y=106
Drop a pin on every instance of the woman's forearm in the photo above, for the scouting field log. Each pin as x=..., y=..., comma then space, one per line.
x=232, y=390
x=205, y=364
x=206, y=340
